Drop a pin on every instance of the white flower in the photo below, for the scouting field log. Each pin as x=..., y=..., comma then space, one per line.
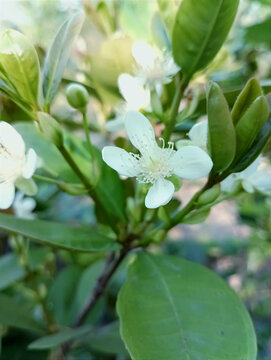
x=14, y=163
x=154, y=67
x=251, y=179
x=154, y=164
x=23, y=207
x=198, y=136
x=136, y=98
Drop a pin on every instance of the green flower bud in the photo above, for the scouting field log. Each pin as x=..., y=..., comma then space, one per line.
x=50, y=128
x=77, y=96
x=209, y=195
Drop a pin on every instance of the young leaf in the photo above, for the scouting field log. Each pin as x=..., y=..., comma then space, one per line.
x=250, y=124
x=51, y=341
x=63, y=236
x=255, y=149
x=200, y=29
x=251, y=91
x=58, y=54
x=19, y=66
x=17, y=316
x=170, y=308
x=222, y=138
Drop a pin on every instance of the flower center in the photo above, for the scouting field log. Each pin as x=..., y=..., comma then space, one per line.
x=155, y=164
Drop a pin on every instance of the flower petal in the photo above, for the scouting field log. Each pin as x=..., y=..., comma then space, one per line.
x=11, y=140
x=30, y=164
x=133, y=92
x=159, y=194
x=140, y=131
x=120, y=160
x=198, y=134
x=144, y=54
x=7, y=194
x=191, y=162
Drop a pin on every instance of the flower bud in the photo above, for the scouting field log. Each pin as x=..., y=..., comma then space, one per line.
x=209, y=195
x=50, y=128
x=77, y=96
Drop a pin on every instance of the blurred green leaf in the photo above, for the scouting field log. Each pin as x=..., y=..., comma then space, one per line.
x=259, y=33
x=17, y=315
x=255, y=149
x=58, y=54
x=251, y=91
x=60, y=235
x=170, y=308
x=19, y=67
x=65, y=284
x=250, y=124
x=106, y=340
x=200, y=30
x=117, y=59
x=51, y=341
x=221, y=135
x=11, y=270
x=52, y=160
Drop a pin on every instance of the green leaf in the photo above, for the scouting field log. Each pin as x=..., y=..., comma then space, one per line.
x=11, y=270
x=15, y=315
x=199, y=32
x=51, y=341
x=170, y=308
x=106, y=340
x=58, y=55
x=53, y=161
x=251, y=91
x=19, y=66
x=65, y=284
x=60, y=235
x=259, y=33
x=250, y=124
x=221, y=136
x=255, y=149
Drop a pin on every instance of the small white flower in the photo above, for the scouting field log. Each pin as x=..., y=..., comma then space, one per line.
x=198, y=136
x=135, y=96
x=154, y=164
x=14, y=163
x=23, y=206
x=251, y=179
x=154, y=67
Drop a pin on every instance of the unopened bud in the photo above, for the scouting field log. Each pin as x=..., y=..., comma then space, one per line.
x=209, y=195
x=77, y=96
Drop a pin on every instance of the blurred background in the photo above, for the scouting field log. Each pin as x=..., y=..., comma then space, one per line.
x=235, y=241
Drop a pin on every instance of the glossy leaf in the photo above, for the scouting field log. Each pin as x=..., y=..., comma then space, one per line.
x=200, y=29
x=58, y=54
x=19, y=66
x=221, y=135
x=51, y=341
x=19, y=316
x=60, y=235
x=251, y=91
x=259, y=33
x=250, y=124
x=170, y=308
x=255, y=149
